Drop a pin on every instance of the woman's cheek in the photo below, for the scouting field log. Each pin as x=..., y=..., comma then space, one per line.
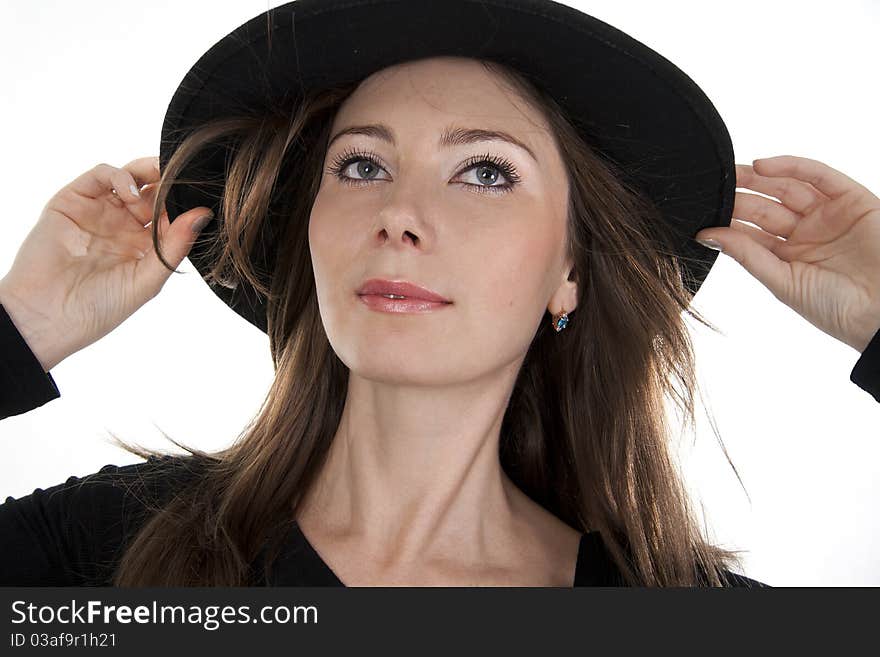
x=326, y=225
x=507, y=284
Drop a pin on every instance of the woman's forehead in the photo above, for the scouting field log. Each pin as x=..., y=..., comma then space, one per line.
x=441, y=91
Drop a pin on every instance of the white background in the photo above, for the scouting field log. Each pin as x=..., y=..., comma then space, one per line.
x=89, y=81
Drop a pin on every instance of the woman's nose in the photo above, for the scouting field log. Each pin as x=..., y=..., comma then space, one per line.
x=406, y=212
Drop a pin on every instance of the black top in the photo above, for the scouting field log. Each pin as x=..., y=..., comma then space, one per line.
x=73, y=533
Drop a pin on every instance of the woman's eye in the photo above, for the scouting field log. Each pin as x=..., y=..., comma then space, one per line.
x=486, y=175
x=362, y=169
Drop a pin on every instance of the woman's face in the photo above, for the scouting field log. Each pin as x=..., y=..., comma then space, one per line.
x=489, y=238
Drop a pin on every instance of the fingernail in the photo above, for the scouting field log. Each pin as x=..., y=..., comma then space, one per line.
x=710, y=243
x=201, y=222
x=134, y=190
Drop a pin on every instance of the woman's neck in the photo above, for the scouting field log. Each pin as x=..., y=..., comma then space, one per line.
x=414, y=469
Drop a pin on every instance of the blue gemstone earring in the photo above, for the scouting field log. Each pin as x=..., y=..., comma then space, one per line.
x=560, y=321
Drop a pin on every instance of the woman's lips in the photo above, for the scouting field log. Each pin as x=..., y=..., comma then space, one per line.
x=384, y=304
x=400, y=289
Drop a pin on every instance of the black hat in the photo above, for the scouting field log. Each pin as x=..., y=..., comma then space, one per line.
x=628, y=102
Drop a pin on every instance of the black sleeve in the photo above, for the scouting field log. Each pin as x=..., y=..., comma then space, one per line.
x=866, y=373
x=23, y=383
x=733, y=580
x=73, y=534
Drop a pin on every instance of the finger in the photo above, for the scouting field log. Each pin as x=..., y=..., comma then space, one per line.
x=778, y=246
x=752, y=250
x=148, y=194
x=80, y=208
x=142, y=208
x=102, y=179
x=770, y=215
x=144, y=170
x=827, y=180
x=115, y=200
x=769, y=241
x=176, y=240
x=795, y=194
x=120, y=186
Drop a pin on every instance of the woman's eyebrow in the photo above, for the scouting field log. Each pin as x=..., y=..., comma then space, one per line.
x=452, y=136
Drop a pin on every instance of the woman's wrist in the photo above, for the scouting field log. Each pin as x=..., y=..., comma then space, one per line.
x=34, y=329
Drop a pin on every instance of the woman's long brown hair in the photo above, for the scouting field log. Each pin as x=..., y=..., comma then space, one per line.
x=585, y=433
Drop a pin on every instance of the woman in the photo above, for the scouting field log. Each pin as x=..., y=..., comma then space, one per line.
x=465, y=440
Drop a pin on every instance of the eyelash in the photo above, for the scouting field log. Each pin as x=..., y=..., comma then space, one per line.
x=507, y=169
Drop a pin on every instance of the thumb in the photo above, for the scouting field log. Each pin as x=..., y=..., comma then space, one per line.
x=176, y=240
x=755, y=257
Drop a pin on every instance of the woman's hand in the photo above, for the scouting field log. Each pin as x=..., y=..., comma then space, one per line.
x=817, y=248
x=89, y=261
